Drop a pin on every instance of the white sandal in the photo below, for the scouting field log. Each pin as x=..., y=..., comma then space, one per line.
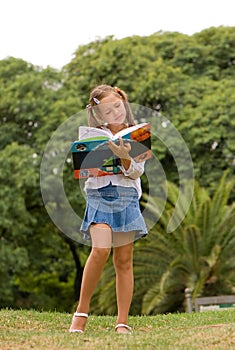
x=78, y=314
x=119, y=325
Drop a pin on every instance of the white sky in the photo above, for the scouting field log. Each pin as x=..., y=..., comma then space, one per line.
x=47, y=32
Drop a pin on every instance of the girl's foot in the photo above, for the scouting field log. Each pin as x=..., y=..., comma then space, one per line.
x=122, y=328
x=78, y=322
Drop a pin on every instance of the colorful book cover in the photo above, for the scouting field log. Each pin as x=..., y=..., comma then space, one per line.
x=92, y=156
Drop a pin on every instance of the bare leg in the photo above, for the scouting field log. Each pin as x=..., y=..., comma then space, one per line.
x=101, y=246
x=123, y=263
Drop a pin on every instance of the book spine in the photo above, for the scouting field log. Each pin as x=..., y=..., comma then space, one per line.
x=95, y=172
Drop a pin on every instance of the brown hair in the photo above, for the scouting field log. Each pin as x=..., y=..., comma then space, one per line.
x=102, y=91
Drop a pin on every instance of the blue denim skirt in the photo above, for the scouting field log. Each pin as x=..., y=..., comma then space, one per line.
x=116, y=206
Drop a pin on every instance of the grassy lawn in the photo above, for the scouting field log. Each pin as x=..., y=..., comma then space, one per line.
x=26, y=330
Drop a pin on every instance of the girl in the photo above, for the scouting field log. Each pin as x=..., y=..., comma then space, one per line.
x=112, y=217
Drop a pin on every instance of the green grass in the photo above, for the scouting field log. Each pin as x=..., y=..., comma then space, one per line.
x=26, y=330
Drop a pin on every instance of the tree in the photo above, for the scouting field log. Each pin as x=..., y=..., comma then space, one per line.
x=188, y=79
x=19, y=177
x=198, y=255
x=31, y=107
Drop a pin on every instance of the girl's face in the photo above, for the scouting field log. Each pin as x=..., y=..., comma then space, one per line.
x=112, y=110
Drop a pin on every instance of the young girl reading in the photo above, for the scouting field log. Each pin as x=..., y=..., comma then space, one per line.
x=112, y=217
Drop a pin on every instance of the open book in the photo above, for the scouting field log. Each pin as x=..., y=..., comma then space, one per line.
x=92, y=156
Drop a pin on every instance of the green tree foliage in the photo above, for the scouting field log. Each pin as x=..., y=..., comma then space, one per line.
x=187, y=79
x=198, y=255
x=37, y=269
x=190, y=80
x=16, y=222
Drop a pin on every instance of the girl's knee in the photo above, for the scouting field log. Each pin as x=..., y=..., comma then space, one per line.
x=123, y=261
x=100, y=254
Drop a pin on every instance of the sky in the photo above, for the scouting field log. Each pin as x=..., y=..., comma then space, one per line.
x=48, y=32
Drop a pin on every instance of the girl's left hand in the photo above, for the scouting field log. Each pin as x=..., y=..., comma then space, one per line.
x=122, y=150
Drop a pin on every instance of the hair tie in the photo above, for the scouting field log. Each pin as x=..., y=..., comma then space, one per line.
x=117, y=89
x=88, y=107
x=96, y=100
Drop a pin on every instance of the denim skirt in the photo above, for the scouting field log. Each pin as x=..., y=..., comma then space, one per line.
x=116, y=206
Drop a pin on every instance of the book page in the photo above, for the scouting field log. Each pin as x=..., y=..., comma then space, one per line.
x=86, y=132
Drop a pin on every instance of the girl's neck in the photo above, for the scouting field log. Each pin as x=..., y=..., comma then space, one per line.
x=116, y=128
